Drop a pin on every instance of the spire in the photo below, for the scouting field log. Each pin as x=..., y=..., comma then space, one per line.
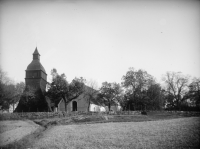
x=36, y=55
x=36, y=51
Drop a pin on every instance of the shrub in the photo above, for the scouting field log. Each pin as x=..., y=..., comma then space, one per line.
x=144, y=113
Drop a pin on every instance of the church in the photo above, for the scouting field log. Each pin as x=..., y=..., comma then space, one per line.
x=36, y=77
x=35, y=82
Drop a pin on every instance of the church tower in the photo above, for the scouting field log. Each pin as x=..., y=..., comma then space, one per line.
x=36, y=76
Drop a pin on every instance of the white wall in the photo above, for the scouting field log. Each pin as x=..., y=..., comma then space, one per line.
x=96, y=108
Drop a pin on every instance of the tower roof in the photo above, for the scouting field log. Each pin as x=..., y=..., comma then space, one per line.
x=36, y=51
x=35, y=64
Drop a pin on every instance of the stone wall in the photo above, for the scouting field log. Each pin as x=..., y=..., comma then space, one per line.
x=42, y=115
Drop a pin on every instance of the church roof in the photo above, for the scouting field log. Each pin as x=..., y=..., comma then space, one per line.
x=35, y=64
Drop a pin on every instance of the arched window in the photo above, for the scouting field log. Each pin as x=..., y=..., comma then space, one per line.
x=74, y=106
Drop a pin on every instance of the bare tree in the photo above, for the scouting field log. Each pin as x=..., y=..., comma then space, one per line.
x=177, y=85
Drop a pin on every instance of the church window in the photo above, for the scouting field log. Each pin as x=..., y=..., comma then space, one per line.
x=74, y=106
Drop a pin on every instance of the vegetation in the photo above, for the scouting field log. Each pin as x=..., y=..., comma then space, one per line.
x=174, y=133
x=179, y=131
x=142, y=92
x=176, y=86
x=32, y=100
x=110, y=93
x=137, y=91
x=10, y=93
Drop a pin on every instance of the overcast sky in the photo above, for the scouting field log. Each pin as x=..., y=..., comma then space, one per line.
x=100, y=40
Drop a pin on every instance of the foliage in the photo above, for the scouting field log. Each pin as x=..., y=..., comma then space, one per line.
x=193, y=95
x=32, y=100
x=136, y=80
x=155, y=96
x=9, y=92
x=18, y=91
x=111, y=93
x=141, y=91
x=58, y=87
x=76, y=87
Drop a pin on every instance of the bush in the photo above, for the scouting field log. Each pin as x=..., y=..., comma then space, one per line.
x=144, y=113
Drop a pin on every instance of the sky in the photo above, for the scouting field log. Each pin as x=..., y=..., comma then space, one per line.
x=101, y=40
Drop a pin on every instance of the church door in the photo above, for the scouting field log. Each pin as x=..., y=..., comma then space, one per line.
x=74, y=106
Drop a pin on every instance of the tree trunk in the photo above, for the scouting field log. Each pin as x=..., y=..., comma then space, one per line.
x=13, y=107
x=108, y=106
x=65, y=100
x=48, y=103
x=88, y=108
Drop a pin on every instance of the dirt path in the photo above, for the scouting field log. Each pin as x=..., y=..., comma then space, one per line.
x=11, y=131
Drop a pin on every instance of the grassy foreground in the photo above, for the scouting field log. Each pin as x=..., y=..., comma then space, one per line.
x=155, y=130
x=173, y=133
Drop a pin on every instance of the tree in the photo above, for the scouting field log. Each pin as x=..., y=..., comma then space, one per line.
x=110, y=92
x=194, y=92
x=32, y=100
x=60, y=88
x=177, y=85
x=136, y=84
x=18, y=91
x=76, y=88
x=7, y=91
x=7, y=95
x=118, y=94
x=90, y=92
x=137, y=79
x=4, y=79
x=155, y=97
x=27, y=101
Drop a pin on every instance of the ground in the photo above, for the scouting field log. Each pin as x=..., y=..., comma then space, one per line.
x=155, y=130
x=11, y=131
x=174, y=133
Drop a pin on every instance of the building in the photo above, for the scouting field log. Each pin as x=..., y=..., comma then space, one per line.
x=35, y=81
x=36, y=76
x=81, y=104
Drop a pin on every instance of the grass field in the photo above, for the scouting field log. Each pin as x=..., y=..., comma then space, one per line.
x=11, y=131
x=171, y=133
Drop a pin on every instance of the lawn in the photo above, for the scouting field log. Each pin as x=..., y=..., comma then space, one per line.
x=171, y=133
x=11, y=131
